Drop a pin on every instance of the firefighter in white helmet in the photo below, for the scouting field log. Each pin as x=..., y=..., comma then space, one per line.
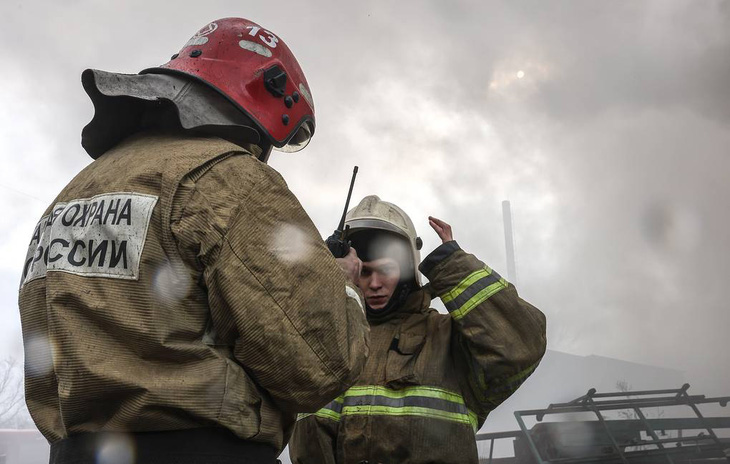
x=431, y=379
x=178, y=305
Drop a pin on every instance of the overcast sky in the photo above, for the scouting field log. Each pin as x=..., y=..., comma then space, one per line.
x=606, y=124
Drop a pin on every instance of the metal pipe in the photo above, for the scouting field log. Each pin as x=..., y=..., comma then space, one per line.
x=509, y=242
x=653, y=434
x=610, y=407
x=530, y=442
x=692, y=404
x=608, y=430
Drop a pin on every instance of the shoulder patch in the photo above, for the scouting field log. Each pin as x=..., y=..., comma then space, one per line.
x=101, y=236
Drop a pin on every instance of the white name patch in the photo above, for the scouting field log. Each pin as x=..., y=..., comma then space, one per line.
x=102, y=236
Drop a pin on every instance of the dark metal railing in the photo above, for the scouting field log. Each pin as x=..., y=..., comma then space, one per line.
x=594, y=402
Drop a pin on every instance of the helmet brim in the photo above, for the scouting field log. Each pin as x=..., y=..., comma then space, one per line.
x=120, y=100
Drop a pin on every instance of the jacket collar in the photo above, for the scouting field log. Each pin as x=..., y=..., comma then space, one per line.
x=419, y=301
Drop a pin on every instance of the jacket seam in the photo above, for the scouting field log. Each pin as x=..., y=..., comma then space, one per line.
x=225, y=391
x=195, y=175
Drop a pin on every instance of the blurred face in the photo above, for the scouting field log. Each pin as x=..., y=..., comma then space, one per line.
x=378, y=281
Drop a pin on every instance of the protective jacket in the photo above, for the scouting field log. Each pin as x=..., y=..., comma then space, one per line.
x=431, y=379
x=178, y=285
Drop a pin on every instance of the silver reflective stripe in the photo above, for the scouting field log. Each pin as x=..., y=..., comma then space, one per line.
x=416, y=401
x=472, y=290
x=421, y=401
x=353, y=294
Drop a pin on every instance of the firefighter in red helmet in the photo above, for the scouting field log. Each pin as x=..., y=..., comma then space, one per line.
x=178, y=305
x=232, y=79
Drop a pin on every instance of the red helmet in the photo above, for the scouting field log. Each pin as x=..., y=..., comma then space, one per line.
x=256, y=71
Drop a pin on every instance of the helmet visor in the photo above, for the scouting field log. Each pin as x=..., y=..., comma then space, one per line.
x=299, y=140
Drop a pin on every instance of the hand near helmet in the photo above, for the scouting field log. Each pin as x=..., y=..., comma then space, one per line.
x=351, y=265
x=442, y=229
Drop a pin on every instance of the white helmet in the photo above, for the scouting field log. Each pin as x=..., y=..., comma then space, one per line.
x=373, y=214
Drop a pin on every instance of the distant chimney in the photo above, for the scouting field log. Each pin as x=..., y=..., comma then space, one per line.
x=509, y=242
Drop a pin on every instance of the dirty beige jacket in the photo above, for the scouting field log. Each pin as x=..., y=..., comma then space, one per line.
x=178, y=283
x=431, y=379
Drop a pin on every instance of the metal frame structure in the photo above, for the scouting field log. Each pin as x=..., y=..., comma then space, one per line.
x=594, y=402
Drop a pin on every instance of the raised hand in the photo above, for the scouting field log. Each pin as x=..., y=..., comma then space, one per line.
x=442, y=229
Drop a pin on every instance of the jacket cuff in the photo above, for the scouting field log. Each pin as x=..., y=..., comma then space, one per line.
x=436, y=256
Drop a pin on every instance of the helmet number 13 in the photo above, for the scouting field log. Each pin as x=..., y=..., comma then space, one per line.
x=270, y=39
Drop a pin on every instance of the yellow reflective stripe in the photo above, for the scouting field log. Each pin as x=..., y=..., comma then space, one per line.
x=326, y=411
x=464, y=284
x=479, y=298
x=328, y=414
x=468, y=417
x=371, y=391
x=474, y=420
x=323, y=413
x=411, y=411
x=427, y=392
x=523, y=373
x=513, y=383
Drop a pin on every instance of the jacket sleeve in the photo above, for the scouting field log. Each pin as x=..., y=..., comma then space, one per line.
x=498, y=338
x=296, y=325
x=314, y=439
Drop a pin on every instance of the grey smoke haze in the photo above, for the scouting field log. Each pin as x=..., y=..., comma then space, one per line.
x=605, y=123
